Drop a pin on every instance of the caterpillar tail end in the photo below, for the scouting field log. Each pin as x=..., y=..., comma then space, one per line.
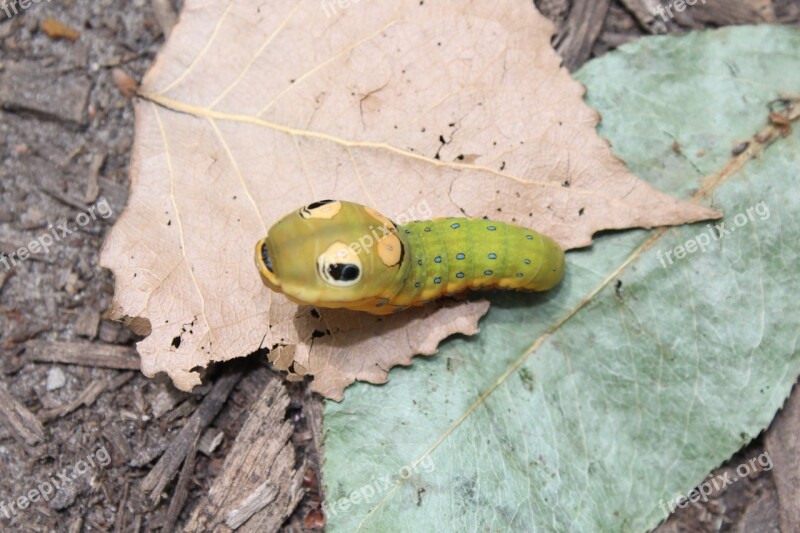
x=553, y=269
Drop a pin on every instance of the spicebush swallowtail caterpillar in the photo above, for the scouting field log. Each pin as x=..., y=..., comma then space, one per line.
x=341, y=254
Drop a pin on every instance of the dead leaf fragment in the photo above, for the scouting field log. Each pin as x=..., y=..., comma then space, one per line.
x=126, y=85
x=58, y=30
x=253, y=109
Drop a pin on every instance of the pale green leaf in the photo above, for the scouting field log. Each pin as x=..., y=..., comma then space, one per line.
x=584, y=408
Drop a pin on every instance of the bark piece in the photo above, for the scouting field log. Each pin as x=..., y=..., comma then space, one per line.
x=783, y=446
x=258, y=487
x=182, y=488
x=83, y=353
x=88, y=323
x=731, y=12
x=581, y=30
x=210, y=441
x=20, y=421
x=24, y=86
x=176, y=452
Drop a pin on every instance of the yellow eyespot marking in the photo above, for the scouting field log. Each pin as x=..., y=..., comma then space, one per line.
x=390, y=249
x=380, y=218
x=324, y=209
x=339, y=265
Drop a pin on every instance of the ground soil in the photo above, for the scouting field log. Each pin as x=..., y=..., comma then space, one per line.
x=66, y=131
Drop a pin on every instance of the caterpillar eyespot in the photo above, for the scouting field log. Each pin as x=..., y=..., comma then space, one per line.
x=369, y=263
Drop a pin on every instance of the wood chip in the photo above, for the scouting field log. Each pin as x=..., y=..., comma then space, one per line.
x=645, y=12
x=11, y=258
x=19, y=420
x=26, y=86
x=176, y=452
x=87, y=324
x=164, y=399
x=258, y=487
x=87, y=397
x=76, y=526
x=122, y=449
x=126, y=85
x=762, y=513
x=83, y=353
x=109, y=331
x=67, y=200
x=732, y=12
x=119, y=520
x=165, y=15
x=182, y=411
x=210, y=441
x=259, y=498
x=93, y=186
x=581, y=30
x=784, y=449
x=58, y=30
x=182, y=488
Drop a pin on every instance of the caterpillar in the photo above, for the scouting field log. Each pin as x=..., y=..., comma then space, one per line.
x=344, y=255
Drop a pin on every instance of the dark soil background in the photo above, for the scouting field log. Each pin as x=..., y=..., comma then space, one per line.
x=70, y=390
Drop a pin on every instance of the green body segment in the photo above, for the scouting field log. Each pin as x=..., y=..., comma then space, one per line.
x=450, y=255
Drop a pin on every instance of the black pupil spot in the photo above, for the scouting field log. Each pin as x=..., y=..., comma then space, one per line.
x=343, y=272
x=265, y=257
x=315, y=205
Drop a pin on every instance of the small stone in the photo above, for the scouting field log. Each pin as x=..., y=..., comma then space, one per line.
x=55, y=379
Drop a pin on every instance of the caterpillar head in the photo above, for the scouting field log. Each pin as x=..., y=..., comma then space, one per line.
x=332, y=254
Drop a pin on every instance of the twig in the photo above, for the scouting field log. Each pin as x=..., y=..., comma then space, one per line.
x=93, y=188
x=64, y=199
x=167, y=466
x=19, y=419
x=87, y=397
x=120, y=444
x=182, y=488
x=84, y=353
x=10, y=249
x=119, y=522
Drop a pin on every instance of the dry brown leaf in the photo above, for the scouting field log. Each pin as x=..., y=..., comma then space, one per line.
x=254, y=109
